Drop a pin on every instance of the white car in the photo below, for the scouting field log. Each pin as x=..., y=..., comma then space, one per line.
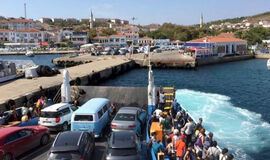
x=57, y=117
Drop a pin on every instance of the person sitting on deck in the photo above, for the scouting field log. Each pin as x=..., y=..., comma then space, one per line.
x=24, y=117
x=230, y=157
x=180, y=147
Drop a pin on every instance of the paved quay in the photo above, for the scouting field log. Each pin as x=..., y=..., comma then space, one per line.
x=102, y=69
x=262, y=56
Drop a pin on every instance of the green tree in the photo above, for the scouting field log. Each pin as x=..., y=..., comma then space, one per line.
x=69, y=43
x=108, y=31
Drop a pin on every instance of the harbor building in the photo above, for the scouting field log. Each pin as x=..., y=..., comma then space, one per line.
x=117, y=40
x=217, y=46
x=79, y=38
x=45, y=20
x=20, y=24
x=132, y=37
x=145, y=41
x=57, y=20
x=22, y=36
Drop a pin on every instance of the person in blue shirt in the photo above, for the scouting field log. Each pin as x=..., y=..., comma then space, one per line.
x=157, y=146
x=176, y=107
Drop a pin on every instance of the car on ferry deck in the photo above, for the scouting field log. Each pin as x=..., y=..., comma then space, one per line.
x=57, y=117
x=76, y=145
x=123, y=145
x=93, y=116
x=129, y=118
x=15, y=141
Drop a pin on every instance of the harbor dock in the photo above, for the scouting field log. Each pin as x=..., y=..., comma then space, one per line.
x=85, y=74
x=262, y=56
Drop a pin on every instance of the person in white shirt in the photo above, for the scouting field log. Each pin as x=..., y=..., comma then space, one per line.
x=213, y=152
x=223, y=154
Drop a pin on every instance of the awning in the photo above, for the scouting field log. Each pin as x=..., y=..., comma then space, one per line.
x=44, y=43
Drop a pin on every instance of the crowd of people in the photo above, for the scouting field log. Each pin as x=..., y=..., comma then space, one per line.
x=28, y=111
x=182, y=138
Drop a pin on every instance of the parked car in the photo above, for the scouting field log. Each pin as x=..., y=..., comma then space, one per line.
x=158, y=50
x=14, y=141
x=93, y=116
x=153, y=48
x=123, y=145
x=264, y=51
x=129, y=118
x=123, y=51
x=72, y=145
x=57, y=117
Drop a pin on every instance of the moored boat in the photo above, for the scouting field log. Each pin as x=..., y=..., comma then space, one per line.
x=268, y=64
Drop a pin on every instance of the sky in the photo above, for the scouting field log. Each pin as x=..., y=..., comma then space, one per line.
x=184, y=12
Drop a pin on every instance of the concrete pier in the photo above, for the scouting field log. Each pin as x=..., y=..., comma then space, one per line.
x=262, y=56
x=85, y=74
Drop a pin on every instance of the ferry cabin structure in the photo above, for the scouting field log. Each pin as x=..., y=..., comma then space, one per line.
x=216, y=46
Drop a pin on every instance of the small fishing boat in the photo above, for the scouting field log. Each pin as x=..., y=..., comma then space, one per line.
x=29, y=53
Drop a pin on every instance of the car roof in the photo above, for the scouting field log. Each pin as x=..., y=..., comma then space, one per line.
x=64, y=139
x=128, y=110
x=122, y=139
x=55, y=107
x=8, y=130
x=92, y=106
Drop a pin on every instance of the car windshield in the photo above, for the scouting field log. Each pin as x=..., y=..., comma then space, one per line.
x=125, y=117
x=83, y=118
x=49, y=114
x=64, y=155
x=122, y=151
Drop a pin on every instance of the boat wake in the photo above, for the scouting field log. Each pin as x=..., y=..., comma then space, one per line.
x=241, y=131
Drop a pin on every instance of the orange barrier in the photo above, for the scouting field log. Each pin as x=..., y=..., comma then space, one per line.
x=156, y=127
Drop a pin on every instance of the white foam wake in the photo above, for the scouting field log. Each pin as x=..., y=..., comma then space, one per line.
x=239, y=130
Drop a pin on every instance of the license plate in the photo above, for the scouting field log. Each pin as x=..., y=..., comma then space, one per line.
x=46, y=122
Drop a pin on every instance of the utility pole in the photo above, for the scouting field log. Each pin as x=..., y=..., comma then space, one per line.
x=25, y=11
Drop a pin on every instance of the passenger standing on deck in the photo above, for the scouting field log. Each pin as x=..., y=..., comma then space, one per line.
x=161, y=100
x=213, y=152
x=223, y=154
x=189, y=129
x=176, y=107
x=180, y=148
x=199, y=125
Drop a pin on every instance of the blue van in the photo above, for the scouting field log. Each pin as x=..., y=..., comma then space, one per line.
x=92, y=116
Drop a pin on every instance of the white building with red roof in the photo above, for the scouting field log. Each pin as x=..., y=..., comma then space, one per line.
x=145, y=41
x=222, y=45
x=22, y=36
x=20, y=24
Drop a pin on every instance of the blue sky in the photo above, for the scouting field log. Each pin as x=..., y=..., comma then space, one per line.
x=183, y=12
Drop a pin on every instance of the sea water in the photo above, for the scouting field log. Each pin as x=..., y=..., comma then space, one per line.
x=232, y=98
x=243, y=132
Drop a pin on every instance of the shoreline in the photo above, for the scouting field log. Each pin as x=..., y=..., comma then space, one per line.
x=38, y=52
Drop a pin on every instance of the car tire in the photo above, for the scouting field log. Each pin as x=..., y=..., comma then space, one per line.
x=8, y=156
x=65, y=126
x=44, y=140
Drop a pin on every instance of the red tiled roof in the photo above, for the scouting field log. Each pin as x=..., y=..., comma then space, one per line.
x=216, y=39
x=4, y=30
x=20, y=20
x=100, y=37
x=117, y=35
x=29, y=30
x=130, y=34
x=146, y=38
